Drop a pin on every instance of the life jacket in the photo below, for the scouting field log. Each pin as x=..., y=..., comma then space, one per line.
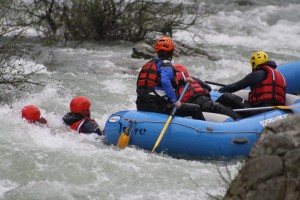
x=195, y=89
x=149, y=77
x=78, y=126
x=271, y=90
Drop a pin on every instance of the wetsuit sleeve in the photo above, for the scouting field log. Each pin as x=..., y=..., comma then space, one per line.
x=91, y=127
x=166, y=75
x=203, y=84
x=249, y=80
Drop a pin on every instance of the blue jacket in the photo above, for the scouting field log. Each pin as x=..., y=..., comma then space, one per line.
x=166, y=71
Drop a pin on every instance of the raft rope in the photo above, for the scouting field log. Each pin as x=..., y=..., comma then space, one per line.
x=209, y=129
x=132, y=127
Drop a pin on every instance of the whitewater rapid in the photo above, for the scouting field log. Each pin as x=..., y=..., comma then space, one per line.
x=56, y=163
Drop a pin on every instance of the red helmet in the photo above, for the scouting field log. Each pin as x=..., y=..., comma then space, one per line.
x=31, y=113
x=164, y=44
x=81, y=105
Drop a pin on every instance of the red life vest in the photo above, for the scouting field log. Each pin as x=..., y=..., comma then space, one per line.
x=194, y=89
x=77, y=126
x=271, y=90
x=149, y=77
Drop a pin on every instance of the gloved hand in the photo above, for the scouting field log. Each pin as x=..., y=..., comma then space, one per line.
x=221, y=90
x=177, y=104
x=188, y=79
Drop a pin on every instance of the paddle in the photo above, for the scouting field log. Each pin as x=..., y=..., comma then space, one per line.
x=214, y=83
x=123, y=139
x=265, y=108
x=169, y=120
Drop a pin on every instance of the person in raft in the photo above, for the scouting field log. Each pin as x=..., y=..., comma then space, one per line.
x=79, y=117
x=199, y=93
x=267, y=85
x=32, y=114
x=156, y=84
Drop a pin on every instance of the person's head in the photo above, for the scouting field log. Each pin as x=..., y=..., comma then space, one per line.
x=32, y=114
x=164, y=47
x=80, y=105
x=258, y=58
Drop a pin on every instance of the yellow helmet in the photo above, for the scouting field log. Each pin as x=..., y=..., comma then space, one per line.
x=258, y=58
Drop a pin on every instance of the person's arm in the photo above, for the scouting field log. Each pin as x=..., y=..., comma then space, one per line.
x=166, y=75
x=91, y=127
x=249, y=80
x=203, y=84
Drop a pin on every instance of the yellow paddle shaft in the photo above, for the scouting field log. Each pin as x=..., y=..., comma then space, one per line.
x=162, y=133
x=169, y=119
x=265, y=108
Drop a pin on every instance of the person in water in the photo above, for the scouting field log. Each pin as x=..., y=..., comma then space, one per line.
x=32, y=114
x=79, y=118
x=199, y=93
x=156, y=84
x=267, y=85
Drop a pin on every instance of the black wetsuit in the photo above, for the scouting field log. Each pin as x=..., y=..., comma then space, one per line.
x=208, y=105
x=251, y=79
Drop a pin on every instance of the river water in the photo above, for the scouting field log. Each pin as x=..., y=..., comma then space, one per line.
x=55, y=163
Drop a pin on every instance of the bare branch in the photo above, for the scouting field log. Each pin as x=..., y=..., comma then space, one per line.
x=12, y=55
x=131, y=20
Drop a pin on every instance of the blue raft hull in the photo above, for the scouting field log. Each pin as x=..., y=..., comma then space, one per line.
x=291, y=71
x=191, y=138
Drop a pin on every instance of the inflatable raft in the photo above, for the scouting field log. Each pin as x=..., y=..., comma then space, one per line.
x=216, y=138
x=291, y=71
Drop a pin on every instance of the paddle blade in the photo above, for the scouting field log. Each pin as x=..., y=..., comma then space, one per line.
x=123, y=141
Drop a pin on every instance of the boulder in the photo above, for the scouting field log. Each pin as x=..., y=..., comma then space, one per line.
x=143, y=50
x=146, y=50
x=272, y=170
